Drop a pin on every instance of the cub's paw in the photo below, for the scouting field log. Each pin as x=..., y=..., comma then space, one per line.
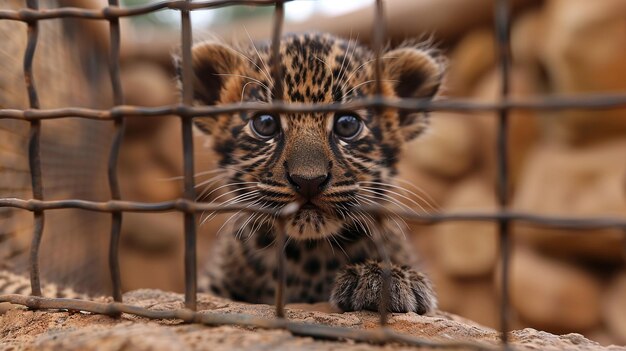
x=359, y=287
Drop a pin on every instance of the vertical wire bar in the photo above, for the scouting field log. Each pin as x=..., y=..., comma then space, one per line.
x=119, y=125
x=385, y=298
x=281, y=274
x=377, y=42
x=277, y=74
x=191, y=284
x=378, y=37
x=34, y=154
x=277, y=93
x=502, y=27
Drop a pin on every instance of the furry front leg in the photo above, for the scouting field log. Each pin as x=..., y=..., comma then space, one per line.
x=359, y=286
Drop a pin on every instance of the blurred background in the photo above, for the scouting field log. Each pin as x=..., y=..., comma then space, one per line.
x=570, y=163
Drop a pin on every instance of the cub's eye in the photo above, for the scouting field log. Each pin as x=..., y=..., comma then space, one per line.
x=347, y=125
x=265, y=125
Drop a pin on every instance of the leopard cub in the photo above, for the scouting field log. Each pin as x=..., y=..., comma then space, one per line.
x=329, y=162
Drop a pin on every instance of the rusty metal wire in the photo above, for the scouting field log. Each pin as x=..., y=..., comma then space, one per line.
x=182, y=205
x=34, y=144
x=33, y=14
x=502, y=24
x=277, y=91
x=114, y=187
x=582, y=102
x=116, y=206
x=378, y=36
x=191, y=285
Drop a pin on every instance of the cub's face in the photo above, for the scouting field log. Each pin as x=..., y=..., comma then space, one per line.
x=328, y=162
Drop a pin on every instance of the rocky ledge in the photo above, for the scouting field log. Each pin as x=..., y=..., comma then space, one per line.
x=22, y=329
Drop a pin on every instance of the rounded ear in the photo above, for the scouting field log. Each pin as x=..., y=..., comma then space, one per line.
x=414, y=72
x=212, y=63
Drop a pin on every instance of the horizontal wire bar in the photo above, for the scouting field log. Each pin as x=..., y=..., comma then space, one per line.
x=182, y=205
x=112, y=12
x=581, y=102
x=380, y=335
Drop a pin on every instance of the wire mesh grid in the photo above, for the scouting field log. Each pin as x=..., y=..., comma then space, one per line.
x=187, y=204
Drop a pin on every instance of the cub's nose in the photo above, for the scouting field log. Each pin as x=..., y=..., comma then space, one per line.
x=308, y=187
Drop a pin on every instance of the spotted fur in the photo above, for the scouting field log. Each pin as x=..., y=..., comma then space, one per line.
x=330, y=253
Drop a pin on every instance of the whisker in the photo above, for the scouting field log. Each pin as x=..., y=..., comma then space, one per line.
x=356, y=220
x=367, y=218
x=343, y=87
x=339, y=246
x=261, y=216
x=287, y=241
x=369, y=201
x=343, y=72
x=217, y=233
x=250, y=60
x=214, y=213
x=235, y=169
x=271, y=225
x=399, y=188
x=199, y=174
x=434, y=204
x=237, y=199
x=393, y=218
x=243, y=226
x=376, y=191
x=235, y=214
x=358, y=69
x=207, y=188
x=393, y=201
x=390, y=216
x=366, y=82
x=231, y=184
x=242, y=76
x=267, y=70
x=332, y=77
x=208, y=184
x=344, y=57
x=263, y=206
x=398, y=225
x=332, y=249
x=364, y=214
x=230, y=192
x=376, y=200
x=204, y=182
x=340, y=212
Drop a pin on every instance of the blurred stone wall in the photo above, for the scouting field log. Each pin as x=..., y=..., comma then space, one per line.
x=566, y=163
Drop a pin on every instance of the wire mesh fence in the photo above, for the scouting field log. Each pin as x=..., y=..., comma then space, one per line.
x=187, y=204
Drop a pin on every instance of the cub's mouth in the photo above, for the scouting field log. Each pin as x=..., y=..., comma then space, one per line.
x=312, y=221
x=315, y=207
x=308, y=205
x=309, y=212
